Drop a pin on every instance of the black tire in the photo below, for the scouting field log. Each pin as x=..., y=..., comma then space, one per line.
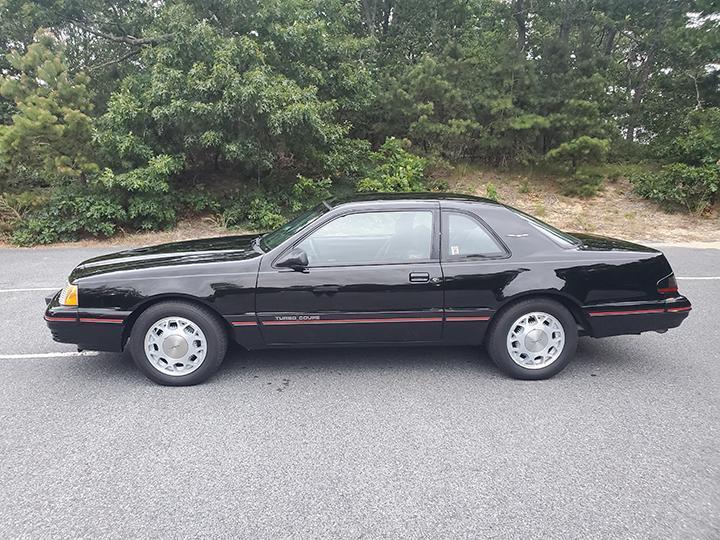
x=497, y=347
x=207, y=321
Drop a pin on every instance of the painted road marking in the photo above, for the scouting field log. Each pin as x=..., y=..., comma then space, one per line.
x=47, y=355
x=701, y=278
x=30, y=290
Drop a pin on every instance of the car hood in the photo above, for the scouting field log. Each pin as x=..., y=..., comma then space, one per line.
x=593, y=242
x=206, y=250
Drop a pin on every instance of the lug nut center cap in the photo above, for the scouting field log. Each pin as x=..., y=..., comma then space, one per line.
x=536, y=340
x=175, y=346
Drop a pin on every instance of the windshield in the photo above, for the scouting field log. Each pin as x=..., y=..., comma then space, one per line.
x=273, y=239
x=551, y=232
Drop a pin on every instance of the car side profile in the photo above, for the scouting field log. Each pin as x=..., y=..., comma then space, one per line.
x=410, y=269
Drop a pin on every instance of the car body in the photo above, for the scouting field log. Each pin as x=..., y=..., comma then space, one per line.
x=377, y=270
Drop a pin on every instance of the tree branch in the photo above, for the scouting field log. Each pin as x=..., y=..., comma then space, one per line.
x=124, y=57
x=128, y=40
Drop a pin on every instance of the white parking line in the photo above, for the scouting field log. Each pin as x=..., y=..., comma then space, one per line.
x=30, y=290
x=47, y=355
x=701, y=278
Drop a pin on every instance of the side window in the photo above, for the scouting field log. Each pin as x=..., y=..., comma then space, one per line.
x=466, y=237
x=371, y=238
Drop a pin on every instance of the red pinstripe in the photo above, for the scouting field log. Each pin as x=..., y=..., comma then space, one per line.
x=355, y=321
x=637, y=311
x=96, y=320
x=60, y=319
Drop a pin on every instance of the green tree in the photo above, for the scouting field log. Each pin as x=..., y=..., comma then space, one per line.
x=51, y=131
x=581, y=151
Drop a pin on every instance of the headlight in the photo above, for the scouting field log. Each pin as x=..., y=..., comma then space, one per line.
x=69, y=296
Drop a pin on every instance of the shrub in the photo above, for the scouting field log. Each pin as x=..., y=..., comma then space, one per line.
x=264, y=215
x=395, y=170
x=253, y=210
x=14, y=206
x=580, y=151
x=581, y=185
x=491, y=192
x=151, y=212
x=680, y=186
x=70, y=214
x=307, y=192
x=197, y=200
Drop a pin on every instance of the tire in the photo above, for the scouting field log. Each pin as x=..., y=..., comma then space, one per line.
x=538, y=322
x=187, y=346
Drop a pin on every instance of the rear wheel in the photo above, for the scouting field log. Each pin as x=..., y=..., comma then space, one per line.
x=178, y=343
x=533, y=339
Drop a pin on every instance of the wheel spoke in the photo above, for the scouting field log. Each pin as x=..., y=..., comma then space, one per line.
x=535, y=340
x=175, y=346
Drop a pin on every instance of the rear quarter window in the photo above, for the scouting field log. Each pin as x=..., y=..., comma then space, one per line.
x=465, y=237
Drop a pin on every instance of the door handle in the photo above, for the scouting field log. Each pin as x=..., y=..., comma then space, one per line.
x=419, y=277
x=326, y=289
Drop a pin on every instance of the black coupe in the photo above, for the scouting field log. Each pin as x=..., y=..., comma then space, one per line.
x=411, y=269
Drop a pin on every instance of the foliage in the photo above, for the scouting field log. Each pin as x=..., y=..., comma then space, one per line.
x=699, y=142
x=582, y=184
x=51, y=130
x=307, y=192
x=681, y=186
x=253, y=211
x=394, y=169
x=491, y=191
x=260, y=97
x=71, y=214
x=581, y=151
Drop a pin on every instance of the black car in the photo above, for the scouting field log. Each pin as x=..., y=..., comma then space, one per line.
x=411, y=269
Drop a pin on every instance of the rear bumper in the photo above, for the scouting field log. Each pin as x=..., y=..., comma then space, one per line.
x=97, y=330
x=636, y=318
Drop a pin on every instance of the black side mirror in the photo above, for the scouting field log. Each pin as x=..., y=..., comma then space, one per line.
x=296, y=259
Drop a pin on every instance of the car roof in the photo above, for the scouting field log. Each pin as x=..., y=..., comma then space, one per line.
x=429, y=197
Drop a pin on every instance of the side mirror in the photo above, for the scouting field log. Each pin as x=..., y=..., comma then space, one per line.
x=296, y=259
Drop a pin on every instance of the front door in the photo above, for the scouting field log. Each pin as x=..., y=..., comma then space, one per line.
x=373, y=276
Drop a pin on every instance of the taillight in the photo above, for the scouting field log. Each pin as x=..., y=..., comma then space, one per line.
x=667, y=285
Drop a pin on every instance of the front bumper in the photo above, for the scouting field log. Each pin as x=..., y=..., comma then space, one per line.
x=97, y=330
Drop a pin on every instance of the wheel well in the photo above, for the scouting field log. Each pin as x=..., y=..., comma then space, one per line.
x=130, y=321
x=569, y=304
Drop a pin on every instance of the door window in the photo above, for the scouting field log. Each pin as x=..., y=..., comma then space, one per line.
x=466, y=237
x=371, y=238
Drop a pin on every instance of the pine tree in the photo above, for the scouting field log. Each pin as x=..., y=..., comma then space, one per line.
x=51, y=132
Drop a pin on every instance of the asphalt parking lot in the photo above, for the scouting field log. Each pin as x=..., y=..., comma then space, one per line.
x=432, y=442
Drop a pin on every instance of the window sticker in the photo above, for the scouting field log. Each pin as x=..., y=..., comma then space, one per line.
x=454, y=250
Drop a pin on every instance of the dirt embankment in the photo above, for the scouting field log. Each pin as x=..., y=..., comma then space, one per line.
x=614, y=211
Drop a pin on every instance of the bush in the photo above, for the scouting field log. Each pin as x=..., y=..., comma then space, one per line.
x=254, y=211
x=395, y=170
x=197, y=200
x=581, y=185
x=14, y=206
x=151, y=212
x=264, y=215
x=491, y=192
x=580, y=151
x=70, y=214
x=307, y=192
x=680, y=186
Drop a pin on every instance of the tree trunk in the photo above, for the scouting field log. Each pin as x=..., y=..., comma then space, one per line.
x=639, y=94
x=521, y=21
x=368, y=7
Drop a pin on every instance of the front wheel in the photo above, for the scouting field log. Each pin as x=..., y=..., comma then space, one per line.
x=178, y=343
x=533, y=339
